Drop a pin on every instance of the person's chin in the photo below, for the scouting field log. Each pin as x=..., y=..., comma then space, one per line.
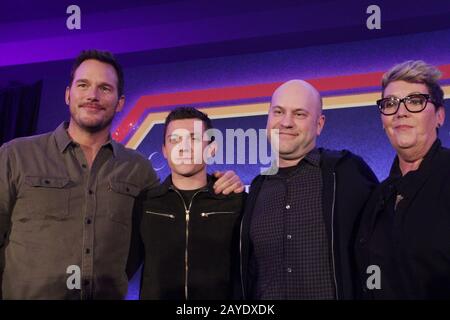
x=93, y=126
x=186, y=170
x=94, y=123
x=287, y=148
x=405, y=142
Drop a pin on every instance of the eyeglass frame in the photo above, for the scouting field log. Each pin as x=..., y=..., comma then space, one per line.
x=425, y=95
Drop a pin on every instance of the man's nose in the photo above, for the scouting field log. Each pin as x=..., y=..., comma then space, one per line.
x=93, y=93
x=287, y=121
x=185, y=145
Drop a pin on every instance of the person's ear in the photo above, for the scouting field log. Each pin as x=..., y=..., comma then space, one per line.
x=67, y=95
x=211, y=150
x=120, y=103
x=163, y=149
x=440, y=116
x=320, y=124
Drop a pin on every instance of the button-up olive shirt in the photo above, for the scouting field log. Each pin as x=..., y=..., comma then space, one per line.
x=64, y=228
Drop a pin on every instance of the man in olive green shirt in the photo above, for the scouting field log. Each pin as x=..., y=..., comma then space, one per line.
x=66, y=197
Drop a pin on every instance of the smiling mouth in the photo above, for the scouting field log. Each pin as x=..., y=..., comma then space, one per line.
x=402, y=127
x=91, y=106
x=286, y=134
x=184, y=161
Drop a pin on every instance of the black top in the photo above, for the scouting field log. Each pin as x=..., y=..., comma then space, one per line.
x=291, y=251
x=188, y=255
x=287, y=171
x=347, y=184
x=188, y=194
x=405, y=232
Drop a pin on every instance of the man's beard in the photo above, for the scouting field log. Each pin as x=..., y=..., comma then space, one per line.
x=95, y=127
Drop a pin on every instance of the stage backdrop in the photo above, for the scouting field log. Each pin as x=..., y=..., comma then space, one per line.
x=235, y=92
x=227, y=61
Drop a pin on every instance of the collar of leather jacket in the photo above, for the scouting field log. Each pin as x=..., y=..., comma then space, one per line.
x=168, y=186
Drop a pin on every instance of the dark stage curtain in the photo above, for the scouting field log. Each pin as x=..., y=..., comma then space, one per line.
x=19, y=109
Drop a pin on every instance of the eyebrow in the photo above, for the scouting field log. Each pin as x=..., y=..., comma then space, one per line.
x=295, y=110
x=409, y=94
x=101, y=84
x=192, y=134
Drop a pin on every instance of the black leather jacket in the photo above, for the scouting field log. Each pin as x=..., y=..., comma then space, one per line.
x=190, y=249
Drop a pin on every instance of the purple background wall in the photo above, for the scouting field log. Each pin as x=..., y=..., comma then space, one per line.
x=345, y=128
x=172, y=46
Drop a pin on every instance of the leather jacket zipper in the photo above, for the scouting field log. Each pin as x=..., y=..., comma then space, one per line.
x=171, y=216
x=207, y=214
x=187, y=210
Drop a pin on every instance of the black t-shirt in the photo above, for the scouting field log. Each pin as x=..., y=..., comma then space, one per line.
x=188, y=194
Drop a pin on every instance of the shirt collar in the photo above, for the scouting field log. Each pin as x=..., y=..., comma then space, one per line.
x=63, y=139
x=313, y=157
x=168, y=185
x=395, y=169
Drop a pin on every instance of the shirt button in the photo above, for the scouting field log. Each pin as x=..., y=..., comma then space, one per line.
x=86, y=282
x=289, y=270
x=362, y=240
x=88, y=251
x=288, y=207
x=46, y=181
x=88, y=221
x=289, y=237
x=84, y=166
x=91, y=192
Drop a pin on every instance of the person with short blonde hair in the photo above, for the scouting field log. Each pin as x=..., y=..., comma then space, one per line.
x=417, y=71
x=404, y=233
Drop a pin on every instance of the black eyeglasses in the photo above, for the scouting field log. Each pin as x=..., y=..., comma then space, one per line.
x=414, y=103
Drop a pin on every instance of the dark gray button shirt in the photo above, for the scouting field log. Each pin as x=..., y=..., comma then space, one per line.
x=291, y=251
x=58, y=217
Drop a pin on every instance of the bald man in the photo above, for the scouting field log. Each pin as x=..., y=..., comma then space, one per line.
x=299, y=224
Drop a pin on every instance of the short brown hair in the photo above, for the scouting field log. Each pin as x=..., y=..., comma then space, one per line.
x=181, y=113
x=102, y=56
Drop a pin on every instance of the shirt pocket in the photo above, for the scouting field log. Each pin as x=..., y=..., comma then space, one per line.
x=121, y=201
x=161, y=230
x=218, y=225
x=46, y=197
